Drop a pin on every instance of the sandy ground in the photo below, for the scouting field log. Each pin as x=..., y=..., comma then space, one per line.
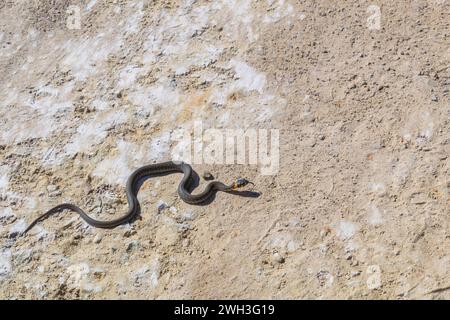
x=359, y=207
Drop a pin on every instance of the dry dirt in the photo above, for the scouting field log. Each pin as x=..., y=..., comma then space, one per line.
x=359, y=207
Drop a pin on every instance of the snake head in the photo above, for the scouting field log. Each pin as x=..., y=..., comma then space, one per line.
x=241, y=182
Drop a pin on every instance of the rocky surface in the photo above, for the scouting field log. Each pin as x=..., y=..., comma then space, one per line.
x=358, y=209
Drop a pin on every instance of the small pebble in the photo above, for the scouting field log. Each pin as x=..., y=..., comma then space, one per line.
x=77, y=237
x=173, y=210
x=97, y=238
x=185, y=242
x=355, y=273
x=52, y=188
x=162, y=206
x=276, y=257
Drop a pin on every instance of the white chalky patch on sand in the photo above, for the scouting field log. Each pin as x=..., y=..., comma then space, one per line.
x=351, y=246
x=183, y=50
x=51, y=100
x=12, y=47
x=181, y=149
x=6, y=214
x=128, y=76
x=401, y=170
x=164, y=96
x=152, y=47
x=373, y=277
x=148, y=275
x=129, y=156
x=26, y=65
x=10, y=97
x=375, y=218
x=243, y=18
x=155, y=269
x=116, y=169
x=4, y=178
x=31, y=127
x=51, y=157
x=90, y=5
x=191, y=23
x=4, y=184
x=159, y=148
x=346, y=230
x=78, y=273
x=30, y=203
x=141, y=99
x=40, y=233
x=100, y=105
x=420, y=127
x=5, y=263
x=94, y=131
x=36, y=113
x=281, y=10
x=32, y=37
x=248, y=78
x=86, y=57
x=159, y=97
x=19, y=227
x=284, y=241
x=132, y=22
x=199, y=58
x=377, y=187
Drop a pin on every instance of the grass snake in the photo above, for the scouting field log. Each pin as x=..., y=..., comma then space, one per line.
x=184, y=191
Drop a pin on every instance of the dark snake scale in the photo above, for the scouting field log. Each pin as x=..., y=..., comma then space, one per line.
x=131, y=190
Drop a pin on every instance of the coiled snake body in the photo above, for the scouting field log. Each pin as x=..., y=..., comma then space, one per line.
x=131, y=190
